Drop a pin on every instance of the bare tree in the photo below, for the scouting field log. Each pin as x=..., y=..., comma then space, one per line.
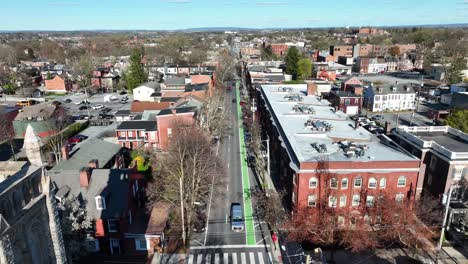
x=184, y=175
x=83, y=69
x=56, y=125
x=7, y=133
x=225, y=70
x=213, y=117
x=268, y=207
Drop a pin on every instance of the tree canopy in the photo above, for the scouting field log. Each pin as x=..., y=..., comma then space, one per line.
x=292, y=60
x=304, y=68
x=136, y=74
x=458, y=119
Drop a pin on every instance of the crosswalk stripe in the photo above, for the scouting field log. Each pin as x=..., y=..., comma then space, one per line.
x=260, y=258
x=252, y=257
x=199, y=258
x=234, y=258
x=216, y=258
x=243, y=260
x=190, y=260
x=270, y=257
x=208, y=259
x=225, y=258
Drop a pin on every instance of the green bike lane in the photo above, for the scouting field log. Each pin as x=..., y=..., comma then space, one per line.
x=248, y=210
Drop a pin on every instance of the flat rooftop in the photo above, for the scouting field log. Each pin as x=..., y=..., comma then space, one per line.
x=311, y=129
x=447, y=140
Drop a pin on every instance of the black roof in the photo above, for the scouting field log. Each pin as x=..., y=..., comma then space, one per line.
x=179, y=110
x=196, y=87
x=170, y=99
x=138, y=125
x=122, y=113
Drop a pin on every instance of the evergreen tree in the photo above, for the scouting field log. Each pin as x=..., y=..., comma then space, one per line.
x=304, y=68
x=292, y=60
x=136, y=74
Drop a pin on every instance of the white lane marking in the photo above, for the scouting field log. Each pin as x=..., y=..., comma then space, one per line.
x=234, y=258
x=199, y=258
x=216, y=258
x=260, y=258
x=227, y=187
x=208, y=258
x=243, y=259
x=190, y=260
x=226, y=218
x=252, y=257
x=228, y=165
x=225, y=258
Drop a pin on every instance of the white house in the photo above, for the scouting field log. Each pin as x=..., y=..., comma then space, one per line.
x=389, y=97
x=146, y=91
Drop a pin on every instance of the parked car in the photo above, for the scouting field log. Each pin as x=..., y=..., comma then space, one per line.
x=233, y=100
x=83, y=107
x=56, y=103
x=123, y=102
x=96, y=107
x=123, y=92
x=377, y=117
x=67, y=100
x=76, y=139
x=78, y=93
x=106, y=110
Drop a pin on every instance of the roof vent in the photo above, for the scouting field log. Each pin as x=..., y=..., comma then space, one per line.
x=301, y=108
x=321, y=148
x=318, y=125
x=294, y=97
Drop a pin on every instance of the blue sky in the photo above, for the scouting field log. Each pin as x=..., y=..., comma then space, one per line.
x=180, y=14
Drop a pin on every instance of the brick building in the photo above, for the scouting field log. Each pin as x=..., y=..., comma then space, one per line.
x=341, y=50
x=346, y=102
x=310, y=139
x=279, y=49
x=58, y=85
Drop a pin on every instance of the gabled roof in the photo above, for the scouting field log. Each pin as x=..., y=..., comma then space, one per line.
x=112, y=184
x=175, y=81
x=93, y=148
x=388, y=88
x=180, y=110
x=138, y=125
x=140, y=107
x=196, y=87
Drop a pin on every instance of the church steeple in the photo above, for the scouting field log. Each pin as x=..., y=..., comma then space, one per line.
x=32, y=145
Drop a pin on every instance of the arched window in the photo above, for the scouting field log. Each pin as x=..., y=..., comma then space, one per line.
x=358, y=182
x=401, y=181
x=313, y=183
x=383, y=182
x=372, y=183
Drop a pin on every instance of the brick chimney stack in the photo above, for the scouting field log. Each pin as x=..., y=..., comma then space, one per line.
x=85, y=176
x=94, y=163
x=311, y=89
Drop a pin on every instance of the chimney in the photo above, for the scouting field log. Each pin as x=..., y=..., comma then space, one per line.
x=356, y=124
x=65, y=152
x=388, y=128
x=85, y=176
x=94, y=163
x=311, y=89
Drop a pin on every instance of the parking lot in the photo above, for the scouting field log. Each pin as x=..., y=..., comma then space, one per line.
x=94, y=100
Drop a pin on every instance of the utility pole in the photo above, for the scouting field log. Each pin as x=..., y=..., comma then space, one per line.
x=444, y=222
x=268, y=155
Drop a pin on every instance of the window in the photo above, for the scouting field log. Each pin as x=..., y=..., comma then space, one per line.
x=358, y=182
x=130, y=134
x=295, y=179
x=342, y=200
x=433, y=162
x=293, y=197
x=152, y=135
x=401, y=181
x=383, y=183
x=341, y=220
x=130, y=216
x=332, y=201
x=347, y=102
x=372, y=183
x=92, y=245
x=399, y=197
x=370, y=201
x=313, y=183
x=356, y=200
x=141, y=244
x=112, y=225
x=169, y=131
x=344, y=183
x=100, y=203
x=458, y=172
x=333, y=183
x=312, y=200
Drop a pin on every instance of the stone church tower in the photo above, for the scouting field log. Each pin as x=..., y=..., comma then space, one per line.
x=30, y=230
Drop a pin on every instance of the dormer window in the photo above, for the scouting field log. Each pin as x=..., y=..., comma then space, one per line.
x=100, y=203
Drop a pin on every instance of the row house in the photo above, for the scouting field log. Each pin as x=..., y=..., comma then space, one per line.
x=346, y=102
x=322, y=155
x=279, y=49
x=104, y=78
x=389, y=97
x=154, y=133
x=370, y=65
x=443, y=154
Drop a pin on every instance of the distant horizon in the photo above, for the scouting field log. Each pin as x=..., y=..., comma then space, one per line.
x=162, y=15
x=221, y=28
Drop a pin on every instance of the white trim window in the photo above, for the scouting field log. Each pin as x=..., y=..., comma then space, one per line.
x=333, y=183
x=332, y=201
x=370, y=200
x=100, y=203
x=92, y=245
x=342, y=200
x=399, y=197
x=383, y=183
x=344, y=183
x=358, y=182
x=112, y=225
x=356, y=200
x=313, y=183
x=341, y=220
x=141, y=244
x=372, y=183
x=169, y=132
x=312, y=200
x=293, y=197
x=401, y=181
x=130, y=133
x=458, y=172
